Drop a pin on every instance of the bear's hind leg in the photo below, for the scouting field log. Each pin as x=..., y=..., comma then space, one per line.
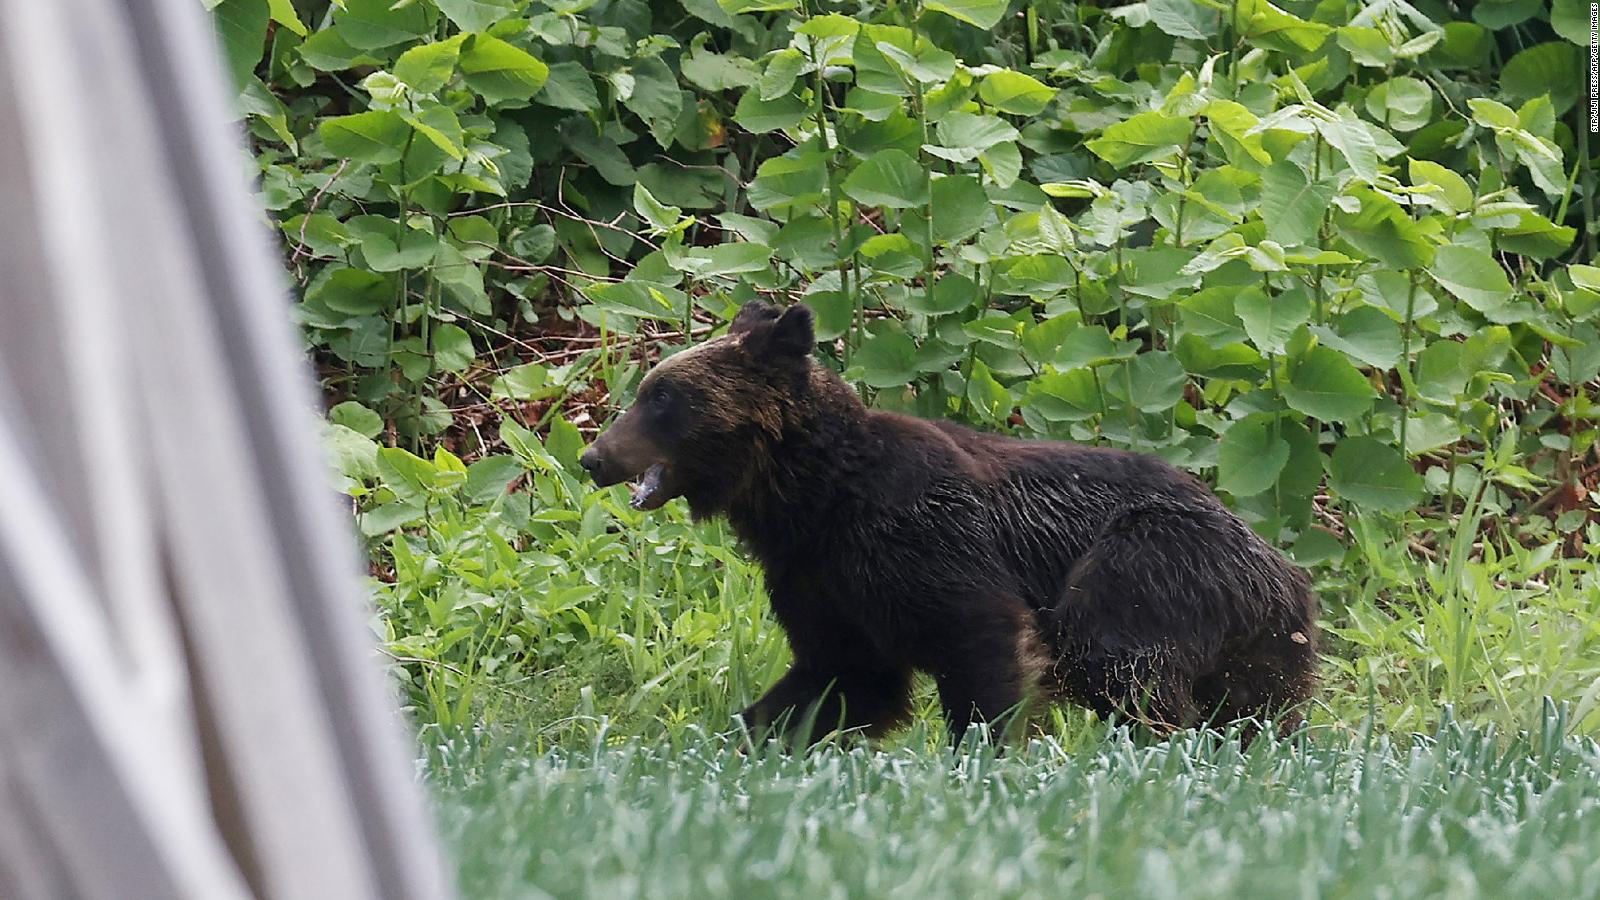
x=1144, y=686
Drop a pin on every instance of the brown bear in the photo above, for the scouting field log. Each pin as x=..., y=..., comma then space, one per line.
x=998, y=565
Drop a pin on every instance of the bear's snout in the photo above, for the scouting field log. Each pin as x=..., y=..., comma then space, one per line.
x=590, y=460
x=594, y=462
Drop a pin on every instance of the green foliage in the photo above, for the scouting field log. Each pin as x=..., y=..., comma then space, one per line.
x=1291, y=231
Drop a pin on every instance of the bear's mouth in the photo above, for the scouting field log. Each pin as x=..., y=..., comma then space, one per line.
x=652, y=488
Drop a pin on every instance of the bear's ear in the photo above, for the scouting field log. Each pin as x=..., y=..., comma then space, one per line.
x=791, y=336
x=752, y=314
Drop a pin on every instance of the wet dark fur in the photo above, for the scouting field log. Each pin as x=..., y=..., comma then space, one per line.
x=893, y=544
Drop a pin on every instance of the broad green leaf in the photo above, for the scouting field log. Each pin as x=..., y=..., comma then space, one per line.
x=1251, y=455
x=1002, y=163
x=319, y=232
x=1236, y=360
x=449, y=470
x=489, y=477
x=1233, y=126
x=1071, y=396
x=638, y=298
x=1544, y=69
x=283, y=13
x=960, y=208
x=1493, y=114
x=1430, y=431
x=328, y=51
x=1156, y=379
x=1292, y=205
x=475, y=15
x=387, y=246
x=499, y=71
x=660, y=217
x=951, y=293
x=386, y=518
x=1370, y=475
x=1015, y=93
x=242, y=26
x=963, y=136
x=1454, y=190
x=529, y=381
x=1349, y=135
x=889, y=179
x=356, y=417
x=715, y=72
x=757, y=115
x=1326, y=386
x=1041, y=340
x=984, y=14
x=656, y=98
x=427, y=67
x=1211, y=314
x=1145, y=137
x=1157, y=272
x=599, y=150
x=1365, y=334
x=452, y=348
x=1367, y=46
x=1404, y=103
x=1383, y=231
x=1270, y=321
x=988, y=396
x=376, y=24
x=735, y=7
x=788, y=179
x=354, y=292
x=729, y=259
x=778, y=77
x=438, y=124
x=926, y=63
x=568, y=86
x=1535, y=237
x=888, y=359
x=461, y=278
x=1473, y=276
x=1581, y=364
x=875, y=72
x=1037, y=275
x=256, y=100
x=1570, y=19
x=1441, y=372
x=1585, y=276
x=1088, y=346
x=1185, y=18
x=1271, y=27
x=410, y=476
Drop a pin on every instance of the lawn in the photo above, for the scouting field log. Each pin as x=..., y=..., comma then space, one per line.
x=1461, y=812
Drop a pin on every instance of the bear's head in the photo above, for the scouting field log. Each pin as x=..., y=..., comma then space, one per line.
x=703, y=418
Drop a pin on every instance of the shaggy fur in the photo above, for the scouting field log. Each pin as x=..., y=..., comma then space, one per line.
x=892, y=544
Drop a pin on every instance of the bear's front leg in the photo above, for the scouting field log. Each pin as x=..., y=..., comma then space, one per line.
x=991, y=664
x=807, y=703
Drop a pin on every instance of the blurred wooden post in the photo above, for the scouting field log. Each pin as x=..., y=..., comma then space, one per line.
x=189, y=702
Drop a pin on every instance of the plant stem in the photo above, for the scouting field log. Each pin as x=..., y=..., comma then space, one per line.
x=1406, y=377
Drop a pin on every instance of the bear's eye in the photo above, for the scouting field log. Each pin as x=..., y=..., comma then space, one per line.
x=659, y=395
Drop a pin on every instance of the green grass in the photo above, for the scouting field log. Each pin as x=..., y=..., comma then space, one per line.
x=1464, y=812
x=596, y=654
